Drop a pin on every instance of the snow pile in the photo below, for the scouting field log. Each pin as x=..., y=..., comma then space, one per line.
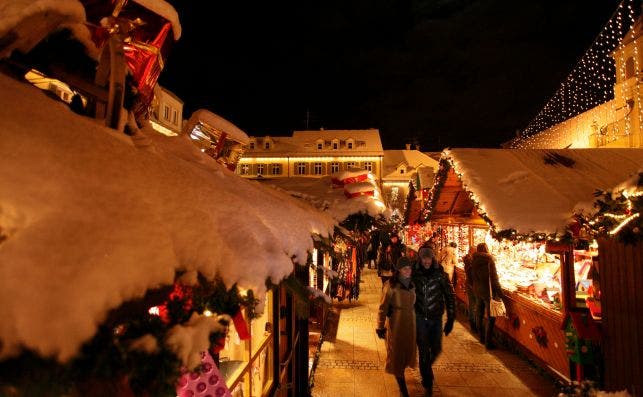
x=320, y=193
x=91, y=218
x=189, y=341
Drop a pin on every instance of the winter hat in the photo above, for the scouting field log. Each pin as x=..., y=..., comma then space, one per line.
x=425, y=252
x=403, y=262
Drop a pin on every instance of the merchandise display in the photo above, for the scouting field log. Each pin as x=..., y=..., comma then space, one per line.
x=526, y=269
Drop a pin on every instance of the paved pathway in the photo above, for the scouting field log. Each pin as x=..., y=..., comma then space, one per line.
x=352, y=359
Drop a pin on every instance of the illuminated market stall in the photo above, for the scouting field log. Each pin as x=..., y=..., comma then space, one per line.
x=521, y=203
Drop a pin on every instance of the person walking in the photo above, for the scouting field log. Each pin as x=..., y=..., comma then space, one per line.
x=448, y=258
x=468, y=288
x=396, y=323
x=483, y=269
x=391, y=253
x=434, y=295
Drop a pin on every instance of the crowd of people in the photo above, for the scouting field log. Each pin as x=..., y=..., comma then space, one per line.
x=417, y=290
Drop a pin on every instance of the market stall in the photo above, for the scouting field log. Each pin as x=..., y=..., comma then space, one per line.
x=521, y=203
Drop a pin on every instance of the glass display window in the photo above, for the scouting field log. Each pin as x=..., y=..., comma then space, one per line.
x=587, y=286
x=526, y=269
x=247, y=365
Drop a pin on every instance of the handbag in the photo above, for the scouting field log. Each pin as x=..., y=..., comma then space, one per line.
x=496, y=306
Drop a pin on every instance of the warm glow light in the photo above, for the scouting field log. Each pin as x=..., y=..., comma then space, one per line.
x=154, y=311
x=622, y=224
x=207, y=313
x=600, y=77
x=163, y=130
x=248, y=159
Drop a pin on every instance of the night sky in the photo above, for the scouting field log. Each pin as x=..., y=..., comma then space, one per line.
x=438, y=73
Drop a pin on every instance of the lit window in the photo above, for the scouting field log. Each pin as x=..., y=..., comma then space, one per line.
x=276, y=169
x=318, y=169
x=301, y=168
x=334, y=167
x=245, y=169
x=260, y=169
x=368, y=166
x=350, y=164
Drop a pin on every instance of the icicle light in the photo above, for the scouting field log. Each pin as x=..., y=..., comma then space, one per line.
x=590, y=84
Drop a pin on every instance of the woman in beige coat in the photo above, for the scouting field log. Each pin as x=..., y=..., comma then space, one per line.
x=396, y=323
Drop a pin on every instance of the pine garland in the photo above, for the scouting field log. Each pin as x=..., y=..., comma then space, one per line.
x=617, y=216
x=106, y=365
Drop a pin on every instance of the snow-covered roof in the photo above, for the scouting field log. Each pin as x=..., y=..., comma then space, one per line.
x=91, y=218
x=536, y=190
x=14, y=12
x=164, y=9
x=304, y=143
x=413, y=159
x=320, y=193
x=218, y=123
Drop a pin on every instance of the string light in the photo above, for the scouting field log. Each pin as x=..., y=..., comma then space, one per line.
x=622, y=224
x=592, y=82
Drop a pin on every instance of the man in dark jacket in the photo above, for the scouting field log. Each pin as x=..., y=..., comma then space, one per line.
x=434, y=294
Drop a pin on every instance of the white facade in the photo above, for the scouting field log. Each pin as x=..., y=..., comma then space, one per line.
x=402, y=167
x=167, y=112
x=313, y=154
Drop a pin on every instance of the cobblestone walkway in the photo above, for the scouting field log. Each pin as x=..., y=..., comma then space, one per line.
x=352, y=359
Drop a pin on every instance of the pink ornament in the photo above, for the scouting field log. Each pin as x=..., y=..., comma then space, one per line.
x=206, y=383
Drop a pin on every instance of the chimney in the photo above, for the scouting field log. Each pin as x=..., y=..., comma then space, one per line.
x=417, y=147
x=408, y=146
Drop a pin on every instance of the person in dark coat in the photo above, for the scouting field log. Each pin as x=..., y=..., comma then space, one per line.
x=396, y=322
x=468, y=287
x=389, y=256
x=483, y=269
x=434, y=294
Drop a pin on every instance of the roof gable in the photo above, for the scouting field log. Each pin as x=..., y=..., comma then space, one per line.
x=528, y=190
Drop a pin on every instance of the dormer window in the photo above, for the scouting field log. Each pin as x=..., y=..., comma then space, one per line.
x=320, y=144
x=266, y=145
x=350, y=144
x=252, y=145
x=402, y=170
x=335, y=144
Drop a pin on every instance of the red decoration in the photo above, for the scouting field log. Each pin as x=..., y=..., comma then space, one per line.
x=357, y=194
x=241, y=326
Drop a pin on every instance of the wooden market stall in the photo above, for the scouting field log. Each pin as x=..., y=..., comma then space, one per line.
x=521, y=203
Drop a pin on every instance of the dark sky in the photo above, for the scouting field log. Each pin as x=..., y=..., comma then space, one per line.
x=439, y=73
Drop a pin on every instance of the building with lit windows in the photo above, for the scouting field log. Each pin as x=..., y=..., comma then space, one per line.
x=166, y=114
x=401, y=167
x=313, y=154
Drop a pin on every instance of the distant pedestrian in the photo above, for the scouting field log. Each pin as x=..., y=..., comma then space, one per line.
x=483, y=269
x=468, y=287
x=396, y=322
x=434, y=295
x=448, y=258
x=388, y=258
